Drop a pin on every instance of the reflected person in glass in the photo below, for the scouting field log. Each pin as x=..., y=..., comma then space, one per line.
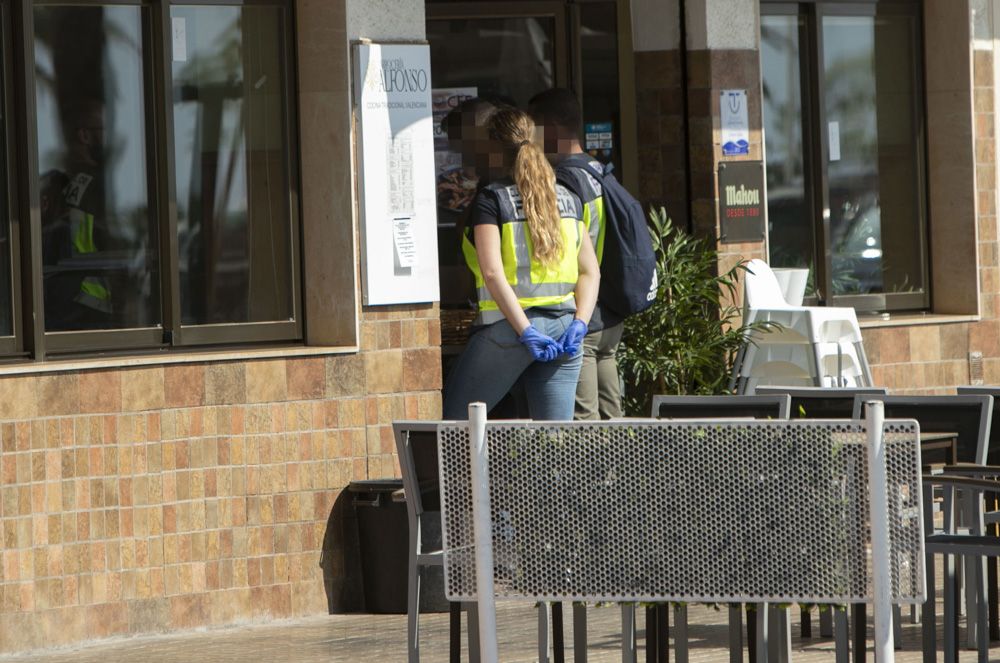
x=78, y=296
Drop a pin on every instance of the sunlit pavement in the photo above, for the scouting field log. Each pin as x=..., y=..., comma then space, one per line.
x=382, y=639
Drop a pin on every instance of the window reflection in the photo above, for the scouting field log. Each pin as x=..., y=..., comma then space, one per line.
x=233, y=218
x=599, y=66
x=507, y=58
x=875, y=187
x=98, y=237
x=6, y=292
x=788, y=207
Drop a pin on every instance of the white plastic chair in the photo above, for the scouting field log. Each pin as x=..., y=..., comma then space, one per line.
x=817, y=345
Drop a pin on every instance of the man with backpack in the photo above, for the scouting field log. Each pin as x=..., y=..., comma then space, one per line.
x=618, y=229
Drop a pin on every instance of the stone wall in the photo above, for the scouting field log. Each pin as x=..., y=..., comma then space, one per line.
x=136, y=500
x=928, y=359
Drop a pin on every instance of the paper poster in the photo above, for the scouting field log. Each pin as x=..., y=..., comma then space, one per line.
x=735, y=123
x=400, y=160
x=178, y=25
x=455, y=189
x=403, y=242
x=834, y=135
x=396, y=173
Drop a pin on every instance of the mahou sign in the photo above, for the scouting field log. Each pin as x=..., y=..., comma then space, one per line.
x=741, y=201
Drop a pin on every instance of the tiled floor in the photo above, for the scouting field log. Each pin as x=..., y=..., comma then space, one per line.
x=381, y=639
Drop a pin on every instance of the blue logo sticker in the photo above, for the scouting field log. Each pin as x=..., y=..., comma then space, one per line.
x=738, y=148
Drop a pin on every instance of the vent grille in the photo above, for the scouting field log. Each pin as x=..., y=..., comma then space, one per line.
x=695, y=511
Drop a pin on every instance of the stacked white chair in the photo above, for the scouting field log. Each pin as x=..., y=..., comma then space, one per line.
x=812, y=345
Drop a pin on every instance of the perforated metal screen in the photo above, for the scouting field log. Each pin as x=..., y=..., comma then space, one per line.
x=739, y=511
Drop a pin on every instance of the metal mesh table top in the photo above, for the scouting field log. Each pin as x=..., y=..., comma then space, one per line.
x=713, y=511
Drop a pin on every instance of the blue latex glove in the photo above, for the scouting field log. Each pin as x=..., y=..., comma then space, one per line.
x=573, y=337
x=542, y=347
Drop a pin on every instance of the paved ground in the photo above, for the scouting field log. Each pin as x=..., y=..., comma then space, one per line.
x=381, y=639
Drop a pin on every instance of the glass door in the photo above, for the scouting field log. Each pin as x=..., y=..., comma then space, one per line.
x=502, y=52
x=783, y=36
x=844, y=137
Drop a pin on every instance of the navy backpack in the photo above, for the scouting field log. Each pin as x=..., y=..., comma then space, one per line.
x=628, y=266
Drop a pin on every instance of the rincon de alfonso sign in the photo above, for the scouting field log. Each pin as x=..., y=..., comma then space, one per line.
x=741, y=201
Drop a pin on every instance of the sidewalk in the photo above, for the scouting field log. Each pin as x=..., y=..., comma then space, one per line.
x=382, y=639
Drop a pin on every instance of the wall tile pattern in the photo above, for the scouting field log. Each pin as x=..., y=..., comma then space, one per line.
x=930, y=359
x=163, y=498
x=679, y=149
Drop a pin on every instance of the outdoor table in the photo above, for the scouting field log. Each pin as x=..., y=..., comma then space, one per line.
x=942, y=441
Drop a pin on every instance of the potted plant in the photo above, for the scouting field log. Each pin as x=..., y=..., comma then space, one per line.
x=685, y=343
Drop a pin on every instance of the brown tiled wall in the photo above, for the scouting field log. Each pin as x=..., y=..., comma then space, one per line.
x=665, y=133
x=934, y=358
x=153, y=499
x=661, y=132
x=985, y=335
x=709, y=73
x=919, y=359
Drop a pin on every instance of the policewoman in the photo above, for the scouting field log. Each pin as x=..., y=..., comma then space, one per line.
x=536, y=279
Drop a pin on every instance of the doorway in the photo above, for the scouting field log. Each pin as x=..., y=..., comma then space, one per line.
x=508, y=52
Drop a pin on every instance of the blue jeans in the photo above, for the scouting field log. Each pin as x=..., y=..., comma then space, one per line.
x=494, y=361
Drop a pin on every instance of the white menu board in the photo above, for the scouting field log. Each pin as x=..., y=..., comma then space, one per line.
x=395, y=143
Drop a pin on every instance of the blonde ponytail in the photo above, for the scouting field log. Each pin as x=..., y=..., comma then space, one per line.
x=536, y=182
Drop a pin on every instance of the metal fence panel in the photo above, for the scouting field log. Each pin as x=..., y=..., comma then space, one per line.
x=738, y=511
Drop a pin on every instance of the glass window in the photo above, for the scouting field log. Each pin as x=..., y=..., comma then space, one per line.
x=99, y=248
x=166, y=187
x=869, y=76
x=599, y=80
x=510, y=58
x=507, y=58
x=788, y=203
x=234, y=229
x=845, y=149
x=6, y=249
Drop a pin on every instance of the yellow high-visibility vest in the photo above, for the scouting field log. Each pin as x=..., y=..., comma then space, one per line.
x=535, y=285
x=591, y=195
x=95, y=291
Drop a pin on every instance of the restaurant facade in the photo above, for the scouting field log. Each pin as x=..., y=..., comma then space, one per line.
x=192, y=363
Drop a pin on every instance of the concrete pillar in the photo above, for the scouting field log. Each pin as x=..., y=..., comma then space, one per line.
x=723, y=53
x=660, y=122
x=680, y=74
x=386, y=20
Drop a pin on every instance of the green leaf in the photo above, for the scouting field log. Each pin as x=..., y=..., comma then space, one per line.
x=686, y=342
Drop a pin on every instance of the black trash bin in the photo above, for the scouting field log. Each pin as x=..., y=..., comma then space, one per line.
x=384, y=539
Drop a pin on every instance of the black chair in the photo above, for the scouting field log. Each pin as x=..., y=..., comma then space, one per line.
x=974, y=545
x=774, y=406
x=821, y=402
x=969, y=418
x=416, y=446
x=992, y=459
x=417, y=449
x=993, y=445
x=715, y=407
